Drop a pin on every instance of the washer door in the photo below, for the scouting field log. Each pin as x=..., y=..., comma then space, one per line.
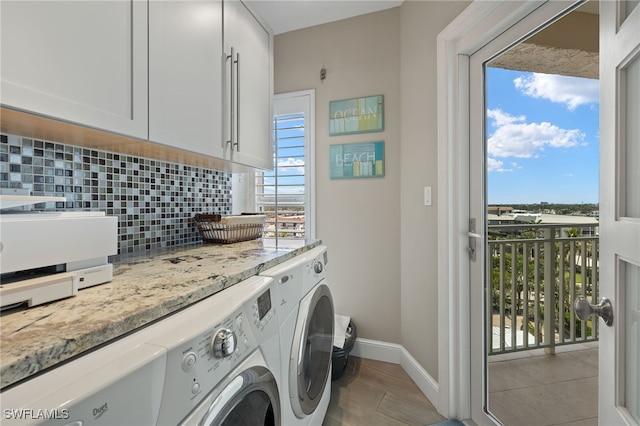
x=247, y=397
x=311, y=351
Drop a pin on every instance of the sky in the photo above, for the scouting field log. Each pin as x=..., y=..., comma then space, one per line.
x=542, y=138
x=290, y=152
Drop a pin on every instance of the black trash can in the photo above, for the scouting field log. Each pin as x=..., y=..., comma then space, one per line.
x=340, y=356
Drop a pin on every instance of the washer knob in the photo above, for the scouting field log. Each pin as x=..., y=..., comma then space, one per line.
x=239, y=322
x=224, y=343
x=317, y=266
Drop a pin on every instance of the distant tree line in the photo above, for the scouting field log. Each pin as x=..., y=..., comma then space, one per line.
x=563, y=209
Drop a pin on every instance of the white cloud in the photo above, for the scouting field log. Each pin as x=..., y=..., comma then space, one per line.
x=500, y=118
x=571, y=91
x=494, y=165
x=293, y=162
x=514, y=137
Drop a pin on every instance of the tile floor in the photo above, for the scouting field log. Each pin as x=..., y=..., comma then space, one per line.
x=533, y=388
x=526, y=388
x=377, y=393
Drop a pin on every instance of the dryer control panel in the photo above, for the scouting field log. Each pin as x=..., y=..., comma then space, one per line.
x=316, y=267
x=295, y=277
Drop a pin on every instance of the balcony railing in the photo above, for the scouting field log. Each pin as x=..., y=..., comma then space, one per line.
x=535, y=272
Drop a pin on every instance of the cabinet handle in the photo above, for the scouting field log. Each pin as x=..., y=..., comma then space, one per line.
x=237, y=143
x=231, y=94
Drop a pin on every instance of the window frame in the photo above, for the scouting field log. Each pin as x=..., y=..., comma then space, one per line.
x=289, y=104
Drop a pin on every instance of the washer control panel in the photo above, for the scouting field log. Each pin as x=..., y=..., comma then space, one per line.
x=262, y=310
x=206, y=341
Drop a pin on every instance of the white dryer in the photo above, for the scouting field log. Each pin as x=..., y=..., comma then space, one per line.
x=306, y=316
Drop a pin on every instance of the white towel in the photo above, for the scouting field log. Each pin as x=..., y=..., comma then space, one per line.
x=340, y=325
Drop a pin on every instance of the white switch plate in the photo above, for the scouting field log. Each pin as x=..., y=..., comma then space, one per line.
x=427, y=195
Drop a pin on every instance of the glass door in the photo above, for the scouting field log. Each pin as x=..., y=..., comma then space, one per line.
x=524, y=333
x=619, y=401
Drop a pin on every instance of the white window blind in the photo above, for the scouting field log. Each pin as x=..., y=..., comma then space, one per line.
x=286, y=194
x=280, y=193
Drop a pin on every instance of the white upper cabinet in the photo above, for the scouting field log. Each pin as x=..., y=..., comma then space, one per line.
x=79, y=61
x=185, y=75
x=154, y=70
x=248, y=87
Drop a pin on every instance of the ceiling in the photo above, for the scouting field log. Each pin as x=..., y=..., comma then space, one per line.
x=567, y=47
x=288, y=15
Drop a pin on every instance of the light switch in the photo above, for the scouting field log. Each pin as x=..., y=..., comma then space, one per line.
x=427, y=195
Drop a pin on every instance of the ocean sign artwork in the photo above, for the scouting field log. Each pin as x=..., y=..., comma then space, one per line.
x=356, y=160
x=358, y=115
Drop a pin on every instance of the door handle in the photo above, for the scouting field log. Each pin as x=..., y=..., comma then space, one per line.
x=237, y=142
x=232, y=117
x=473, y=236
x=584, y=309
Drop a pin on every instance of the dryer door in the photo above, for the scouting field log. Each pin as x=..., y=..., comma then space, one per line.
x=311, y=350
x=248, y=396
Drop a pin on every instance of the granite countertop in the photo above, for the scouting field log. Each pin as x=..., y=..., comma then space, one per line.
x=144, y=289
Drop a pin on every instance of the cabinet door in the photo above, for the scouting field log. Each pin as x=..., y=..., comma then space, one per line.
x=185, y=75
x=78, y=61
x=253, y=86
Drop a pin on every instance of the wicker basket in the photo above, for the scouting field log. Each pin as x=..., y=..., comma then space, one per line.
x=215, y=228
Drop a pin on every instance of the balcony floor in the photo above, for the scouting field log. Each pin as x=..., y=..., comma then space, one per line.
x=533, y=388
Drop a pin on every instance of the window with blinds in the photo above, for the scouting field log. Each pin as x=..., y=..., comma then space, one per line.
x=281, y=193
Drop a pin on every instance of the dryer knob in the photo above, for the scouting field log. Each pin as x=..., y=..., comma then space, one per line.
x=224, y=343
x=317, y=266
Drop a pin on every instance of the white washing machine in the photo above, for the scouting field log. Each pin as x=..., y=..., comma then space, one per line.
x=118, y=384
x=214, y=363
x=306, y=316
x=223, y=362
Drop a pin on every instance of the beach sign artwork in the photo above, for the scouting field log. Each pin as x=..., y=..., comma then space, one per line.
x=357, y=160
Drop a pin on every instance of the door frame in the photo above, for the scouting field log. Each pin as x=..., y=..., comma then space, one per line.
x=480, y=23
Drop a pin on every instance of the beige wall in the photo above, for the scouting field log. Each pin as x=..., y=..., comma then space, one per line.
x=358, y=219
x=421, y=24
x=382, y=240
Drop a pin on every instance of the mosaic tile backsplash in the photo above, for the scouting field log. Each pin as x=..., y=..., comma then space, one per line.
x=153, y=200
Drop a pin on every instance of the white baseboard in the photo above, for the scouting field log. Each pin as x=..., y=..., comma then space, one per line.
x=375, y=349
x=397, y=354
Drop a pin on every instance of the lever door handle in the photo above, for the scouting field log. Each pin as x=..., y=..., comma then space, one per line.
x=473, y=236
x=584, y=309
